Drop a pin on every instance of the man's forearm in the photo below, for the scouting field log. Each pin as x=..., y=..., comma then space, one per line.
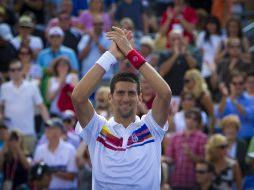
x=44, y=112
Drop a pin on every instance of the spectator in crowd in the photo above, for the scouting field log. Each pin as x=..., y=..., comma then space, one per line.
x=237, y=147
x=7, y=15
x=85, y=167
x=3, y=134
x=187, y=102
x=15, y=162
x=185, y=149
x=56, y=49
x=32, y=71
x=234, y=102
x=227, y=171
x=178, y=62
x=221, y=9
x=249, y=85
x=148, y=95
x=234, y=30
x=25, y=37
x=208, y=42
x=40, y=176
x=20, y=111
x=147, y=50
x=92, y=46
x=180, y=16
x=58, y=155
x=102, y=104
x=124, y=96
x=69, y=135
x=96, y=9
x=62, y=81
x=195, y=83
x=71, y=35
x=66, y=6
x=7, y=51
x=35, y=6
x=248, y=183
x=135, y=11
x=232, y=61
x=204, y=175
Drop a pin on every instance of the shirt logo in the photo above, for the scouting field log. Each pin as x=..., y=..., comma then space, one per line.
x=135, y=59
x=134, y=138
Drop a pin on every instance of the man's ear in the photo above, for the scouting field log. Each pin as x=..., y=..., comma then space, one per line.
x=140, y=97
x=110, y=97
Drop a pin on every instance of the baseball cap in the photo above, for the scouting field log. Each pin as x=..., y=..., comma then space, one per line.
x=26, y=21
x=68, y=114
x=5, y=32
x=251, y=155
x=38, y=171
x=55, y=122
x=147, y=40
x=55, y=31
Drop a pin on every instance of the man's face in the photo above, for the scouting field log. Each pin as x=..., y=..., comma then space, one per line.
x=55, y=40
x=64, y=21
x=238, y=84
x=98, y=25
x=53, y=133
x=125, y=99
x=202, y=174
x=16, y=71
x=191, y=121
x=250, y=84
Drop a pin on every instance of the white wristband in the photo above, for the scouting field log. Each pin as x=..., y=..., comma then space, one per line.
x=106, y=60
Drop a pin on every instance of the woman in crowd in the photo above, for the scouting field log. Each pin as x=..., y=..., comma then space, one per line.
x=208, y=42
x=194, y=83
x=31, y=70
x=237, y=148
x=227, y=171
x=96, y=8
x=62, y=82
x=234, y=30
x=15, y=163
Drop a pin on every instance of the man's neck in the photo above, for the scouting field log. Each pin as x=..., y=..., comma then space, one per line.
x=52, y=145
x=17, y=83
x=189, y=131
x=125, y=122
x=55, y=48
x=206, y=185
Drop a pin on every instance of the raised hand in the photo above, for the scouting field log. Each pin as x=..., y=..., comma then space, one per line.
x=122, y=39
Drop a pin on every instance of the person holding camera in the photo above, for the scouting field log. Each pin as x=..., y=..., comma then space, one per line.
x=58, y=155
x=15, y=163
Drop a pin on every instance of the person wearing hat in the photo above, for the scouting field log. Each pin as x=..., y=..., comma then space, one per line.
x=147, y=50
x=56, y=49
x=177, y=62
x=25, y=37
x=58, y=155
x=7, y=50
x=40, y=176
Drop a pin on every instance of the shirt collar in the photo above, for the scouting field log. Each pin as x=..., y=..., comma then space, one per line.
x=113, y=123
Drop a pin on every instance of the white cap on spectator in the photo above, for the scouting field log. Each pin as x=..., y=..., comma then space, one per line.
x=251, y=155
x=5, y=32
x=55, y=31
x=68, y=114
x=177, y=29
x=147, y=40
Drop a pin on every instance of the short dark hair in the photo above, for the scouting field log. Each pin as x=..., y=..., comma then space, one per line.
x=196, y=112
x=126, y=77
x=210, y=167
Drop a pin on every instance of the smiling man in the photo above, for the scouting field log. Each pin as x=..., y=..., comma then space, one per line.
x=125, y=150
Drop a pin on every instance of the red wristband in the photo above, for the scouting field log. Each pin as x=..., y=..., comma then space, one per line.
x=135, y=59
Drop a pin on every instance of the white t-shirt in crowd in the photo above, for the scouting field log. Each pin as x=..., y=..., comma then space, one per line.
x=63, y=158
x=124, y=158
x=19, y=105
x=35, y=42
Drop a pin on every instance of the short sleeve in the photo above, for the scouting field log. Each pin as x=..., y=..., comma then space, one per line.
x=83, y=43
x=37, y=95
x=92, y=129
x=155, y=129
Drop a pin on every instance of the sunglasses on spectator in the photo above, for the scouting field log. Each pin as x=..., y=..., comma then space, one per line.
x=186, y=81
x=16, y=69
x=238, y=83
x=223, y=146
x=24, y=53
x=201, y=171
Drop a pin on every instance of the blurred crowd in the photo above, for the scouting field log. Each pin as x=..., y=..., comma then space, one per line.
x=198, y=47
